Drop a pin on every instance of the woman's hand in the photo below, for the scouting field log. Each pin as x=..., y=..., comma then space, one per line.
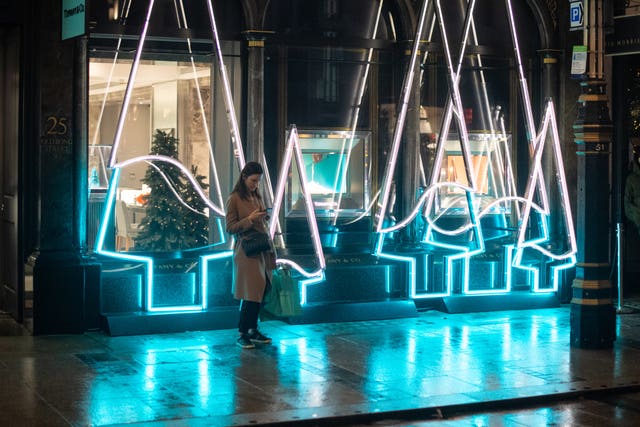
x=257, y=215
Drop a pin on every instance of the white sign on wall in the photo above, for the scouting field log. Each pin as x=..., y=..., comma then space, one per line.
x=579, y=61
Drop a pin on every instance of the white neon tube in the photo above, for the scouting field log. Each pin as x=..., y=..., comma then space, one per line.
x=397, y=133
x=341, y=172
x=267, y=178
x=311, y=213
x=293, y=149
x=549, y=120
x=526, y=102
x=203, y=115
x=454, y=101
x=94, y=140
x=157, y=157
x=130, y=84
x=280, y=185
x=454, y=77
x=228, y=98
x=172, y=187
x=495, y=151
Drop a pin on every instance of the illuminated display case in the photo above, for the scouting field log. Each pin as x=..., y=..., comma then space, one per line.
x=491, y=168
x=338, y=174
x=337, y=168
x=492, y=172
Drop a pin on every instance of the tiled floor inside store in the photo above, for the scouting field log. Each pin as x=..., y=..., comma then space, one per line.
x=497, y=368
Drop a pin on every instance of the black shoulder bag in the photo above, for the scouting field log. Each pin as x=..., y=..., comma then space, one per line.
x=255, y=242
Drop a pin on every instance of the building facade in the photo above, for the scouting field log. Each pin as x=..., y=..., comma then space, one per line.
x=443, y=196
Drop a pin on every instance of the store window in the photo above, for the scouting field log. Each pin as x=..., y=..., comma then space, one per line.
x=169, y=114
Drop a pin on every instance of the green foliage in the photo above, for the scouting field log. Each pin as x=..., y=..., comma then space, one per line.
x=169, y=225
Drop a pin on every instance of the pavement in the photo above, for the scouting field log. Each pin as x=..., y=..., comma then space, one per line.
x=493, y=368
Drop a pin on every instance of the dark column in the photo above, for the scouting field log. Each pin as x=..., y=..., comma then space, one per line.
x=65, y=282
x=255, y=95
x=592, y=312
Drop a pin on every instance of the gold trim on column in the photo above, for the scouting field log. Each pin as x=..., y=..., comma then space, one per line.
x=593, y=97
x=255, y=43
x=591, y=284
x=591, y=301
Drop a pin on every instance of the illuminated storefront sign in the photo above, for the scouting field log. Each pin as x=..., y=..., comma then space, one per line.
x=73, y=18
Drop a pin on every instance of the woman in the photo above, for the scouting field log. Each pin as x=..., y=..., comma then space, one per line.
x=252, y=275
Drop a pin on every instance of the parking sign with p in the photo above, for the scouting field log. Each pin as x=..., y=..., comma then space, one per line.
x=576, y=15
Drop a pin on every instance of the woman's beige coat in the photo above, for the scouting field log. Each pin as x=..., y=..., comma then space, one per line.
x=250, y=274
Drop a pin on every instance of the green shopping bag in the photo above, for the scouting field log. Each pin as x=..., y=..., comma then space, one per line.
x=283, y=299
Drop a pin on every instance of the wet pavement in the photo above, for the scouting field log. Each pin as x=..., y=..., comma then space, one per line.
x=495, y=368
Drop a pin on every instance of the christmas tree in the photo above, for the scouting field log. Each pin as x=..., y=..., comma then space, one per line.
x=175, y=218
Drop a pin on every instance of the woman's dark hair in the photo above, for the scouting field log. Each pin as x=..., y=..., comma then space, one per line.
x=250, y=168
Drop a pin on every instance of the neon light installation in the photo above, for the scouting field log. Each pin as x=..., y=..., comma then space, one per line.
x=293, y=150
x=441, y=237
x=117, y=166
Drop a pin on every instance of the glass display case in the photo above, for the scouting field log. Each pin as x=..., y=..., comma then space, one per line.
x=491, y=167
x=337, y=168
x=338, y=179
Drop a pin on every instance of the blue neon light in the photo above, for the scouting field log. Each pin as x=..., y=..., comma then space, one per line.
x=148, y=261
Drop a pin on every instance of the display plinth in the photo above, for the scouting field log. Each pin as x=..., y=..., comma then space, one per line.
x=354, y=312
x=143, y=322
x=498, y=302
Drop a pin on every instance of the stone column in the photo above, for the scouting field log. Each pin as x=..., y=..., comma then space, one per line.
x=66, y=284
x=593, y=317
x=592, y=312
x=255, y=95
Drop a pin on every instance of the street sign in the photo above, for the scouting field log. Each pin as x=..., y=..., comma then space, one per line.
x=576, y=15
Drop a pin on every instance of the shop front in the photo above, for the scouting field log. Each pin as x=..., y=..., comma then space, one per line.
x=402, y=175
